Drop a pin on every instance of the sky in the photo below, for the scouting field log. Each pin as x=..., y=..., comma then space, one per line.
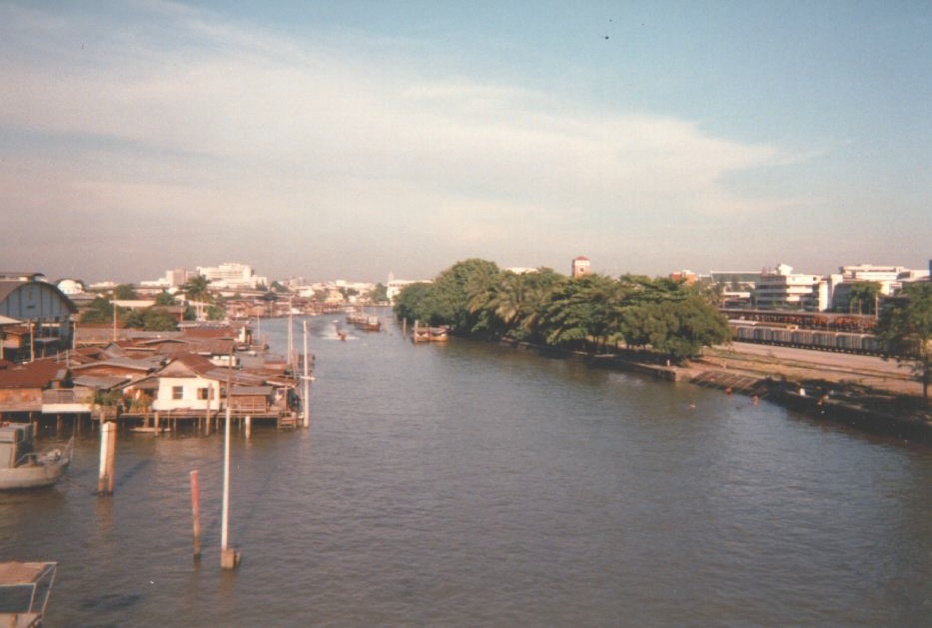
x=353, y=139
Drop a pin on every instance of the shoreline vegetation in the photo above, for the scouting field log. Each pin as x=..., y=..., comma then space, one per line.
x=661, y=327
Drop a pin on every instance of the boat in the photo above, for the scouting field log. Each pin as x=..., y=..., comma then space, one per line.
x=369, y=323
x=430, y=334
x=25, y=589
x=363, y=321
x=21, y=467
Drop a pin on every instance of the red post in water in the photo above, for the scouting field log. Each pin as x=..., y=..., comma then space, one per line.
x=196, y=512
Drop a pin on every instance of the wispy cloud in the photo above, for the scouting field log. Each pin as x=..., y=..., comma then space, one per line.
x=171, y=112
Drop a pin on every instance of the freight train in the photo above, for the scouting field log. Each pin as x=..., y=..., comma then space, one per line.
x=794, y=336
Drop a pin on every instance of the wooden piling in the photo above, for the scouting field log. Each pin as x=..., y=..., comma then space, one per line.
x=196, y=513
x=108, y=434
x=248, y=427
x=210, y=396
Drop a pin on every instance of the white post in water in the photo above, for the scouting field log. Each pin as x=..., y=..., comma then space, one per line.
x=229, y=559
x=307, y=383
x=107, y=457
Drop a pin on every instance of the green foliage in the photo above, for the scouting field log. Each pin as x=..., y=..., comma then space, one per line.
x=164, y=299
x=379, y=294
x=459, y=291
x=125, y=292
x=905, y=327
x=216, y=313
x=108, y=398
x=581, y=310
x=99, y=311
x=591, y=312
x=196, y=289
x=863, y=297
x=415, y=303
x=154, y=318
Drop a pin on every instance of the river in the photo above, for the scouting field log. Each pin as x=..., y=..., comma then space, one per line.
x=470, y=484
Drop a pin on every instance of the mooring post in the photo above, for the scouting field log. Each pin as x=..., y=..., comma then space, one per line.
x=196, y=513
x=229, y=558
x=210, y=394
x=107, y=458
x=307, y=383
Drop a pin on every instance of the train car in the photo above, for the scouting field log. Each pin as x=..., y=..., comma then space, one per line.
x=823, y=339
x=790, y=335
x=802, y=338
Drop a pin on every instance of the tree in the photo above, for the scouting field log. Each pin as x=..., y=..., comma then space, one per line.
x=693, y=324
x=379, y=294
x=164, y=299
x=582, y=310
x=157, y=319
x=125, y=292
x=196, y=289
x=460, y=291
x=415, y=303
x=905, y=328
x=863, y=293
x=100, y=310
x=515, y=304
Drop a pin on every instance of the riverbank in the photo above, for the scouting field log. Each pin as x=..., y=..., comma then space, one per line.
x=865, y=393
x=879, y=399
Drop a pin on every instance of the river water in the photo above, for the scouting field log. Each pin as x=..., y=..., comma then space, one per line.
x=470, y=484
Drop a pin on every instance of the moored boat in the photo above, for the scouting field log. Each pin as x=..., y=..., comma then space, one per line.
x=430, y=334
x=24, y=592
x=21, y=466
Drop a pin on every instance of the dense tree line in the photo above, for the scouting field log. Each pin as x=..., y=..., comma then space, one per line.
x=591, y=312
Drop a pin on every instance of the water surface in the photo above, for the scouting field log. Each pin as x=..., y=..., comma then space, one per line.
x=470, y=485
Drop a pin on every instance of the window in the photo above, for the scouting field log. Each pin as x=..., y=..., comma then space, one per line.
x=203, y=393
x=177, y=392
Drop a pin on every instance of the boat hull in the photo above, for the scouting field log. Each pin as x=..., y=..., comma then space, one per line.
x=30, y=476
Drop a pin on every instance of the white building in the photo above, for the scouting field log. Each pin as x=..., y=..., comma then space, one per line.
x=232, y=275
x=869, y=272
x=782, y=289
x=395, y=286
x=173, y=278
x=71, y=287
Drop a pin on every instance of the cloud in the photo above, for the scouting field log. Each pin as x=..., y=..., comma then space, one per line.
x=173, y=113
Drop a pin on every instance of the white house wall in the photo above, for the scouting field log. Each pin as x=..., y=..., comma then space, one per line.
x=164, y=401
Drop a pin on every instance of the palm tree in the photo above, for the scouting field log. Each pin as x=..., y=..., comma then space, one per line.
x=196, y=289
x=863, y=292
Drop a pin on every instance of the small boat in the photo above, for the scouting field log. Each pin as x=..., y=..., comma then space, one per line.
x=24, y=592
x=20, y=465
x=430, y=334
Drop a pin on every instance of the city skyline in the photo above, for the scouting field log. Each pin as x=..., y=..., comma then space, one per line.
x=356, y=139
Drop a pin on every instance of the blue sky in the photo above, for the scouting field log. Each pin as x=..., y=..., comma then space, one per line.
x=351, y=139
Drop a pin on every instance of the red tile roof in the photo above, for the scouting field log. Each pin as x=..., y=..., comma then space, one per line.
x=38, y=374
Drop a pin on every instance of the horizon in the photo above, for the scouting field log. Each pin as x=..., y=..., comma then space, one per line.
x=310, y=281
x=355, y=139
